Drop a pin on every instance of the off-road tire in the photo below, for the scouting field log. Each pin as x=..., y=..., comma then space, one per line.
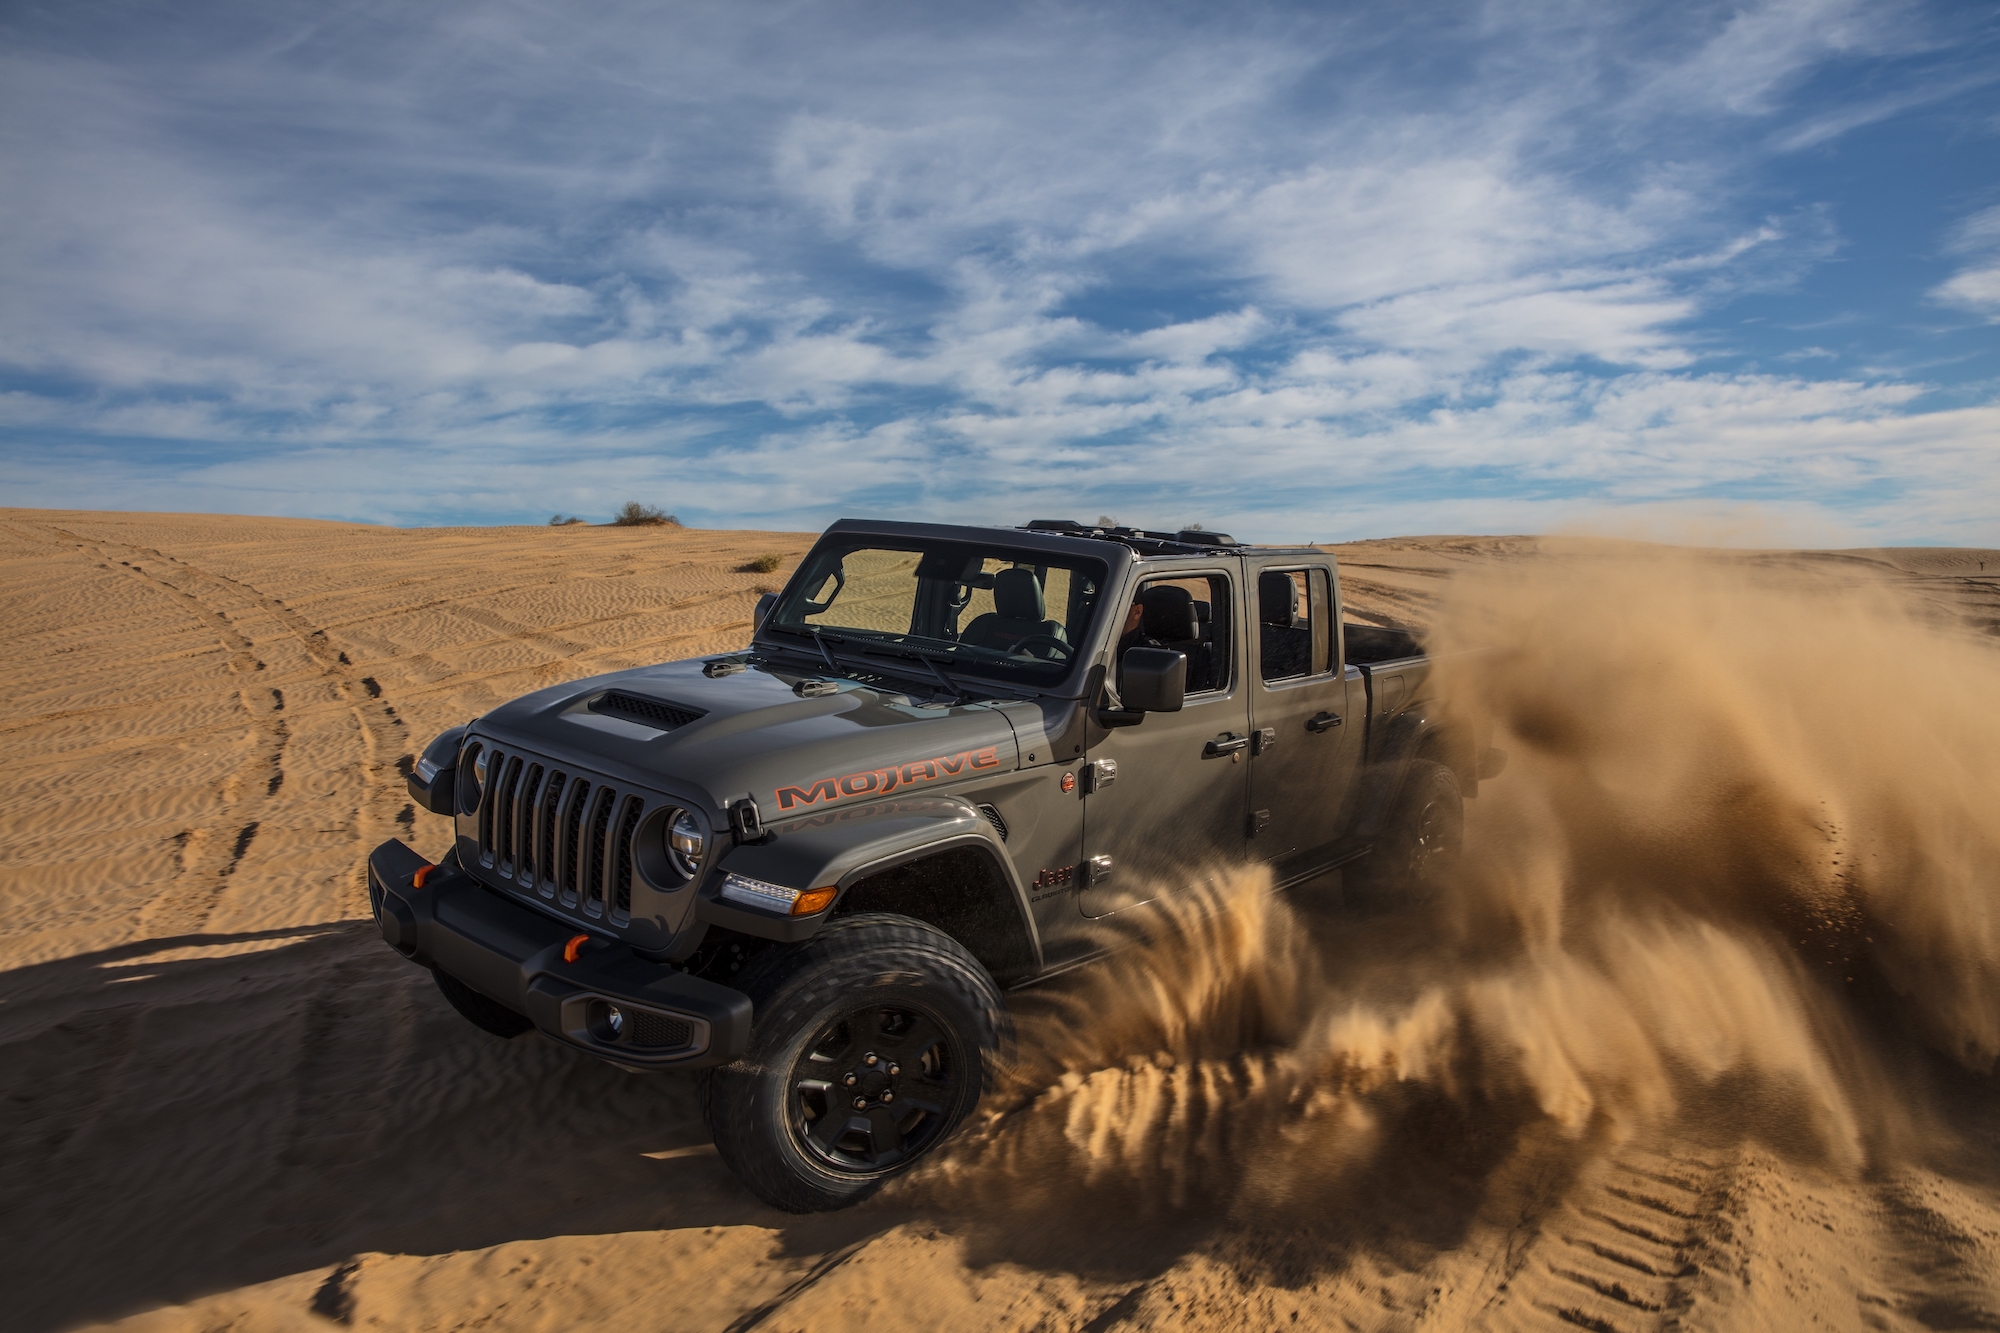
x=484, y=1014
x=1419, y=846
x=870, y=984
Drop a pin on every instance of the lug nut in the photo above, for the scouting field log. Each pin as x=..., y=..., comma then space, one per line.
x=850, y=1080
x=870, y=1058
x=895, y=1070
x=860, y=1103
x=888, y=1095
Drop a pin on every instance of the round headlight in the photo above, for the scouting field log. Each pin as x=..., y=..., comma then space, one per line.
x=687, y=839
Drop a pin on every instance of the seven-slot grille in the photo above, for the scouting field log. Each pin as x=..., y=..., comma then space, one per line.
x=565, y=834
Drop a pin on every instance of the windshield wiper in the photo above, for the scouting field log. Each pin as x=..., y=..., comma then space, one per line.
x=832, y=665
x=907, y=654
x=820, y=644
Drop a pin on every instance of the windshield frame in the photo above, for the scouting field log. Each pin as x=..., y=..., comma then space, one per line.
x=970, y=669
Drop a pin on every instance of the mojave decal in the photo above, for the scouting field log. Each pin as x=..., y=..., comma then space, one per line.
x=881, y=781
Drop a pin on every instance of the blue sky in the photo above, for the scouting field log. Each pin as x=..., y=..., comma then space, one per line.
x=1294, y=272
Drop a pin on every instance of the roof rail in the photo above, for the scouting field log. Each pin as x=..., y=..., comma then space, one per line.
x=1190, y=540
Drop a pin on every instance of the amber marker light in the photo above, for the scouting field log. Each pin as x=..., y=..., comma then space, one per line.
x=813, y=900
x=574, y=947
x=417, y=880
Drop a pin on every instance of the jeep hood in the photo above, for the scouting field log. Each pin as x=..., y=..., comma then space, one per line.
x=695, y=735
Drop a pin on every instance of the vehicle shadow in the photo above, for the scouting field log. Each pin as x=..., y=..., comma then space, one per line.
x=196, y=1114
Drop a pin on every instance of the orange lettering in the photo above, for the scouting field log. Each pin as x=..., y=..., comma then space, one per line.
x=791, y=796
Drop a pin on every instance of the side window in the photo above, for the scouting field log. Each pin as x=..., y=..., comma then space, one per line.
x=1294, y=623
x=1189, y=614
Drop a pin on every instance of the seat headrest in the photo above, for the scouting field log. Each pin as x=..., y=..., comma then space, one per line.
x=1169, y=614
x=1017, y=594
x=1277, y=599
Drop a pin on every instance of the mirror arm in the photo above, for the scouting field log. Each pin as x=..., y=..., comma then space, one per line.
x=1119, y=717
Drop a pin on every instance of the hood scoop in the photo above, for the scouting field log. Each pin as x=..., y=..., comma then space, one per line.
x=655, y=713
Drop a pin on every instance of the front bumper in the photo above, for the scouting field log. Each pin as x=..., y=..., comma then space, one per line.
x=666, y=1019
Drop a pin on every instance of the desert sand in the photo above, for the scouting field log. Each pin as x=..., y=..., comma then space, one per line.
x=229, y=1106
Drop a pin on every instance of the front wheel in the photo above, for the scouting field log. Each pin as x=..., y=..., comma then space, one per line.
x=1420, y=842
x=870, y=1045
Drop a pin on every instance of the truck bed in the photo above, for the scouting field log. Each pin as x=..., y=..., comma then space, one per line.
x=1393, y=668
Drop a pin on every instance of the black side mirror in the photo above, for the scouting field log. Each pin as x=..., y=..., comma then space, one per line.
x=1152, y=680
x=764, y=605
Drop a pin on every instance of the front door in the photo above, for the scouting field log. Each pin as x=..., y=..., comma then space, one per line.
x=1177, y=804
x=1305, y=732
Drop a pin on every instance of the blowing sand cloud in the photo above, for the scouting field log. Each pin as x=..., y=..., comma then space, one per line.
x=1748, y=840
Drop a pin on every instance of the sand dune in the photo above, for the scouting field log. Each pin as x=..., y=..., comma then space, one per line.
x=231, y=1107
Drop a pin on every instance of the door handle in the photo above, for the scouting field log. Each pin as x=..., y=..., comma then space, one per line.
x=1228, y=745
x=1262, y=740
x=1323, y=722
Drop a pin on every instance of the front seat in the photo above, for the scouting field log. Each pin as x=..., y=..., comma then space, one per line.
x=1017, y=613
x=1169, y=619
x=1284, y=645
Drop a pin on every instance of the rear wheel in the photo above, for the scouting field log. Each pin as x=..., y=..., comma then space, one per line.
x=484, y=1014
x=1420, y=843
x=871, y=1044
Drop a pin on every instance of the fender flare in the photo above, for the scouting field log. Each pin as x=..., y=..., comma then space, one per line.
x=997, y=863
x=1418, y=729
x=851, y=844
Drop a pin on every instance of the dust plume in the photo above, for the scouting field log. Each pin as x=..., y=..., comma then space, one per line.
x=1746, y=855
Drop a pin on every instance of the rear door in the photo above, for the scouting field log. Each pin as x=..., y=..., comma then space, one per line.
x=1178, y=802
x=1305, y=715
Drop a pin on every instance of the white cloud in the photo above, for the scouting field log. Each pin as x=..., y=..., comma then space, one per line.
x=927, y=258
x=1976, y=287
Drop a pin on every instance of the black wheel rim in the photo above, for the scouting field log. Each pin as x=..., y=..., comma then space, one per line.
x=874, y=1088
x=1436, y=843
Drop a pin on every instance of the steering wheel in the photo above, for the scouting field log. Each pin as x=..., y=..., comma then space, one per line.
x=1063, y=650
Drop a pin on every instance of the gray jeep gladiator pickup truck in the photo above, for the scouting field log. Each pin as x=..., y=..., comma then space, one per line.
x=810, y=869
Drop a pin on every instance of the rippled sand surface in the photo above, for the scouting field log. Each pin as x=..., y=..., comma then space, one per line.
x=229, y=1106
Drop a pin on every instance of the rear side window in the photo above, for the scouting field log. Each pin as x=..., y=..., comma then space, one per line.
x=1294, y=623
x=1189, y=614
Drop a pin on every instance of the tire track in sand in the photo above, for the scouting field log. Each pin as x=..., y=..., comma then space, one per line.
x=209, y=856
x=1623, y=1253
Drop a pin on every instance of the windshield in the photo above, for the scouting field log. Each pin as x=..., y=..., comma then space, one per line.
x=1003, y=615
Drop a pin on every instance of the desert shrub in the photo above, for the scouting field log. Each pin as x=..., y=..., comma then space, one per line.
x=763, y=564
x=636, y=515
x=563, y=520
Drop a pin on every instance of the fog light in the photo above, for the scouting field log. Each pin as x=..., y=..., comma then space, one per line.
x=605, y=1020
